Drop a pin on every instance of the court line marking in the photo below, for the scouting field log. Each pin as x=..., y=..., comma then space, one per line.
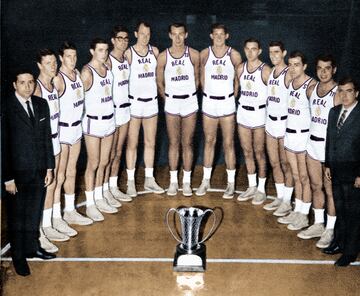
x=7, y=246
x=244, y=261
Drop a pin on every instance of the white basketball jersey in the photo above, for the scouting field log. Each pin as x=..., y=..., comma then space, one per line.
x=142, y=81
x=72, y=100
x=219, y=74
x=253, y=89
x=298, y=107
x=320, y=108
x=98, y=98
x=277, y=94
x=121, y=71
x=52, y=98
x=179, y=74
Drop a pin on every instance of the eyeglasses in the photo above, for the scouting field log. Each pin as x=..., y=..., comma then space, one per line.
x=122, y=38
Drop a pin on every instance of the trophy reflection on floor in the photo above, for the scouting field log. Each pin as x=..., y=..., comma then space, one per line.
x=190, y=254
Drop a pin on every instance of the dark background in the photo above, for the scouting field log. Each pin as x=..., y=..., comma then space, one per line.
x=311, y=26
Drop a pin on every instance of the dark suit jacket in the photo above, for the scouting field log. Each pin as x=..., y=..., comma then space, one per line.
x=26, y=148
x=343, y=147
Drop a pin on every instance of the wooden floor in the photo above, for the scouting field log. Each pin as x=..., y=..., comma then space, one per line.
x=130, y=253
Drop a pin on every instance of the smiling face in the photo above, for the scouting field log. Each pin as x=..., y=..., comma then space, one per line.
x=252, y=51
x=48, y=66
x=143, y=35
x=69, y=59
x=218, y=36
x=121, y=41
x=100, y=53
x=24, y=85
x=276, y=55
x=296, y=67
x=348, y=94
x=178, y=36
x=325, y=71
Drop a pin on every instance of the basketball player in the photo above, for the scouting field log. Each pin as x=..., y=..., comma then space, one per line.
x=71, y=101
x=275, y=126
x=47, y=64
x=142, y=58
x=220, y=86
x=296, y=137
x=119, y=66
x=98, y=127
x=178, y=79
x=251, y=114
x=323, y=98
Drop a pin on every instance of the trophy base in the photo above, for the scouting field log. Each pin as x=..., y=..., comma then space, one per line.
x=190, y=260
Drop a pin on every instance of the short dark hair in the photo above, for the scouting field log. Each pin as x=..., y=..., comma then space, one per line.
x=20, y=71
x=66, y=45
x=298, y=54
x=96, y=41
x=117, y=29
x=145, y=24
x=277, y=43
x=218, y=26
x=177, y=25
x=43, y=53
x=349, y=79
x=252, y=40
x=326, y=58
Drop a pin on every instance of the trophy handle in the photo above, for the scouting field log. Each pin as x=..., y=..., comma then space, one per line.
x=213, y=226
x=167, y=224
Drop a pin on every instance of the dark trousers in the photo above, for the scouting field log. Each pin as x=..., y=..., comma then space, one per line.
x=347, y=205
x=25, y=211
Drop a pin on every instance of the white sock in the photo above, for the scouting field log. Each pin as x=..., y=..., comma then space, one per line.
x=252, y=180
x=319, y=216
x=173, y=176
x=261, y=185
x=279, y=190
x=149, y=172
x=106, y=186
x=207, y=173
x=56, y=212
x=98, y=194
x=231, y=176
x=287, y=194
x=46, y=218
x=131, y=174
x=330, y=224
x=298, y=205
x=186, y=176
x=305, y=208
x=89, y=198
x=69, y=202
x=113, y=181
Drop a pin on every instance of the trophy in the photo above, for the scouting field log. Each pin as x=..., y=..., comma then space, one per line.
x=190, y=254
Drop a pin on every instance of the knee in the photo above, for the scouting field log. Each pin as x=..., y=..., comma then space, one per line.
x=248, y=153
x=259, y=152
x=210, y=141
x=149, y=143
x=296, y=177
x=304, y=179
x=60, y=179
x=228, y=145
x=71, y=173
x=92, y=164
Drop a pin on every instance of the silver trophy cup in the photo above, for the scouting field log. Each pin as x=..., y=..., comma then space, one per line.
x=190, y=253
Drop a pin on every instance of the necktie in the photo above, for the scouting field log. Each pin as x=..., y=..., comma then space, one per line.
x=341, y=120
x=31, y=114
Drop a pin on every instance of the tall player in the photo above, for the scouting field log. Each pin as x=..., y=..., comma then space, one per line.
x=47, y=64
x=220, y=86
x=98, y=127
x=71, y=101
x=177, y=77
x=324, y=96
x=142, y=58
x=251, y=114
x=275, y=127
x=296, y=137
x=119, y=66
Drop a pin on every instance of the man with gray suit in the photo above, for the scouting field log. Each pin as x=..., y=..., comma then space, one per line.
x=342, y=162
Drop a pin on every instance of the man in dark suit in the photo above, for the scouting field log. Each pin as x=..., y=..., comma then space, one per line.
x=342, y=162
x=28, y=162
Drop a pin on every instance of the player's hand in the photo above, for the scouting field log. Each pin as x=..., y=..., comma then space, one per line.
x=11, y=188
x=328, y=174
x=357, y=182
x=48, y=178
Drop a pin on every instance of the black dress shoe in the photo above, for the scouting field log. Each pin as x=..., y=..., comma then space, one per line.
x=21, y=267
x=333, y=249
x=42, y=254
x=345, y=260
